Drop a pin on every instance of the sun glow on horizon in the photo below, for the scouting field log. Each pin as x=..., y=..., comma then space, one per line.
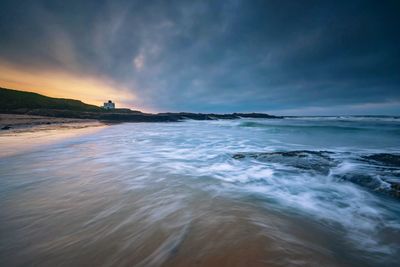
x=89, y=89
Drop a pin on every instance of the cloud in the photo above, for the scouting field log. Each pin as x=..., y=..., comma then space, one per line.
x=138, y=62
x=215, y=56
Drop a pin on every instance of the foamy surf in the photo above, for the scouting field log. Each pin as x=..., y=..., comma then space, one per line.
x=285, y=192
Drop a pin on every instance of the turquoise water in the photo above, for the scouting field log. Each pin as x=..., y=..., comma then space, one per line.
x=316, y=191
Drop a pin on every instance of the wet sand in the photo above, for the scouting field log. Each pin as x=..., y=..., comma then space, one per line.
x=23, y=123
x=88, y=230
x=19, y=133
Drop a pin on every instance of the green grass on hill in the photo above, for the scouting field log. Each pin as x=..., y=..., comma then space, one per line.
x=11, y=100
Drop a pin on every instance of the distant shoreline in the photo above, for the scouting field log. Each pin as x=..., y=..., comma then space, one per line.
x=32, y=104
x=115, y=116
x=10, y=122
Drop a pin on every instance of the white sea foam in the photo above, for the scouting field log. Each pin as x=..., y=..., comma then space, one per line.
x=206, y=153
x=162, y=168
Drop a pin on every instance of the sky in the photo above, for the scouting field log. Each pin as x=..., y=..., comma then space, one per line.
x=282, y=57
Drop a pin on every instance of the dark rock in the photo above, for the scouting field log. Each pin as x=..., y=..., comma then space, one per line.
x=317, y=161
x=213, y=116
x=198, y=116
x=395, y=186
x=257, y=115
x=7, y=127
x=364, y=180
x=295, y=153
x=384, y=159
x=380, y=174
x=238, y=156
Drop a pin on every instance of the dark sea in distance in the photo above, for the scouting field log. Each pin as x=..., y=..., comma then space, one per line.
x=305, y=191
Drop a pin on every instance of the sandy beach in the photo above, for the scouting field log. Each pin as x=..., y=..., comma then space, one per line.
x=21, y=133
x=23, y=123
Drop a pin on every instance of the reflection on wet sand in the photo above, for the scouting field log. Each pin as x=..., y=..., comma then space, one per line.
x=106, y=226
x=19, y=140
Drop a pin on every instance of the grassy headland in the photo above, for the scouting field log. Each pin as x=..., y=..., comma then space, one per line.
x=19, y=102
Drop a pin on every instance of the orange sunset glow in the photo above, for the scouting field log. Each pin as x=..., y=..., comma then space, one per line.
x=89, y=89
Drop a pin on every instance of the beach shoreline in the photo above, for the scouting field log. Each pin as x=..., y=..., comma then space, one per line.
x=22, y=133
x=27, y=123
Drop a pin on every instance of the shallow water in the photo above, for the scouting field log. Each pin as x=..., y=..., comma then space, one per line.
x=298, y=192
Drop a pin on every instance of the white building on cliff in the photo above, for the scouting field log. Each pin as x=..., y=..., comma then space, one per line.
x=109, y=105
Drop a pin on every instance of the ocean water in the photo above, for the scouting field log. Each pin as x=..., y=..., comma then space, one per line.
x=311, y=191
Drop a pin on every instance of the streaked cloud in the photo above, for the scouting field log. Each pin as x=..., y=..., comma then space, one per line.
x=214, y=56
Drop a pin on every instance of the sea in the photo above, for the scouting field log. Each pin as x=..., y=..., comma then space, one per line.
x=297, y=191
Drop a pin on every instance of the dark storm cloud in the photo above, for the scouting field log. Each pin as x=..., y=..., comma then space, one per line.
x=219, y=56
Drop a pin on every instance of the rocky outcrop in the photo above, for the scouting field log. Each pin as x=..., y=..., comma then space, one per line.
x=316, y=161
x=378, y=172
x=384, y=159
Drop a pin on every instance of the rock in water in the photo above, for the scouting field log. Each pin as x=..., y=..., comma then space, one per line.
x=385, y=159
x=317, y=161
x=7, y=127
